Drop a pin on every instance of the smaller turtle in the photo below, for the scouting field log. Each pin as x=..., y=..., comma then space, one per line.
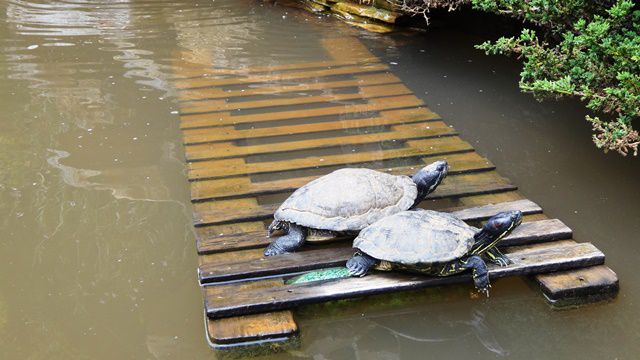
x=432, y=243
x=346, y=201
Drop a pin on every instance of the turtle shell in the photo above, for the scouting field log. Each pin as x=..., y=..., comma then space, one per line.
x=417, y=237
x=348, y=200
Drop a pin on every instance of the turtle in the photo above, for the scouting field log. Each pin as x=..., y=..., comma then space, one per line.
x=345, y=201
x=432, y=243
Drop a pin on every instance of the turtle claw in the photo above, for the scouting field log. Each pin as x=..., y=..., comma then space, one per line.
x=273, y=250
x=485, y=290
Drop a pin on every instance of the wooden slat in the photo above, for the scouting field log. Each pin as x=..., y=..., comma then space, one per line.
x=194, y=83
x=218, y=93
x=530, y=260
x=367, y=92
x=375, y=104
x=215, y=169
x=462, y=163
x=528, y=232
x=455, y=186
x=397, y=133
x=227, y=133
x=555, y=229
x=564, y=287
x=191, y=70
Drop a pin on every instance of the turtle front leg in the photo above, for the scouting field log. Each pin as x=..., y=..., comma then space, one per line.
x=360, y=264
x=287, y=243
x=479, y=271
x=495, y=256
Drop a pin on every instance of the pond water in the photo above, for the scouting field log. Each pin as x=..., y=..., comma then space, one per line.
x=97, y=247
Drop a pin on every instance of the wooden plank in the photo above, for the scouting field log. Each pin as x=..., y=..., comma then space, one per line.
x=462, y=163
x=346, y=48
x=367, y=92
x=186, y=69
x=567, y=288
x=555, y=229
x=215, y=169
x=398, y=133
x=202, y=82
x=227, y=133
x=454, y=186
x=372, y=105
x=253, y=327
x=218, y=93
x=528, y=232
x=526, y=261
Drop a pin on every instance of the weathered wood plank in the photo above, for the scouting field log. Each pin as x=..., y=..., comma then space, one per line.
x=397, y=133
x=372, y=105
x=215, y=169
x=574, y=287
x=253, y=327
x=202, y=82
x=454, y=186
x=462, y=163
x=218, y=93
x=526, y=261
x=366, y=92
x=528, y=232
x=543, y=230
x=186, y=69
x=227, y=133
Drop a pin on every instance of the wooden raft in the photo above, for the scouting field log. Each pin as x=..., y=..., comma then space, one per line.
x=254, y=135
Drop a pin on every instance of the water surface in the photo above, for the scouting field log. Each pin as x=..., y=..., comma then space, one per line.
x=97, y=246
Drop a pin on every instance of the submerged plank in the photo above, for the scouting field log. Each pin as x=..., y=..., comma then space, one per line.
x=455, y=186
x=528, y=232
x=211, y=106
x=219, y=93
x=526, y=261
x=213, y=169
x=372, y=105
x=462, y=163
x=397, y=133
x=227, y=133
x=194, y=83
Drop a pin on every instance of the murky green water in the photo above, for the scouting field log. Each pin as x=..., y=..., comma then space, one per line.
x=97, y=251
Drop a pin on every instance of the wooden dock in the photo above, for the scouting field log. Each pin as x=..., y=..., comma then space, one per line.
x=254, y=135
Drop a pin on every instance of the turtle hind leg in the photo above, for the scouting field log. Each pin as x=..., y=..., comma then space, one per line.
x=287, y=243
x=495, y=256
x=360, y=264
x=479, y=271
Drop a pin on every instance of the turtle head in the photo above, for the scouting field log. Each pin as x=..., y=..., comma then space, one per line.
x=496, y=228
x=428, y=178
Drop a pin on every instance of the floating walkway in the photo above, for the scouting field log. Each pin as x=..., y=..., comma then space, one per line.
x=254, y=135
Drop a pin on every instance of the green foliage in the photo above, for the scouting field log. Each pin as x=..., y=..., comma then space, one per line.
x=590, y=50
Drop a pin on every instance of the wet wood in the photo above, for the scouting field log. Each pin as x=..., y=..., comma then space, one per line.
x=367, y=92
x=372, y=105
x=202, y=82
x=565, y=286
x=526, y=261
x=311, y=259
x=219, y=93
x=542, y=230
x=396, y=133
x=462, y=163
x=215, y=169
x=226, y=133
x=253, y=327
x=452, y=188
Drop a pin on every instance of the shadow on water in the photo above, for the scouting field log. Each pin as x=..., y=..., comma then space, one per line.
x=97, y=246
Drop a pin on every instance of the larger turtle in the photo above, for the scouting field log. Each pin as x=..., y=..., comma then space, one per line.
x=346, y=201
x=432, y=243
